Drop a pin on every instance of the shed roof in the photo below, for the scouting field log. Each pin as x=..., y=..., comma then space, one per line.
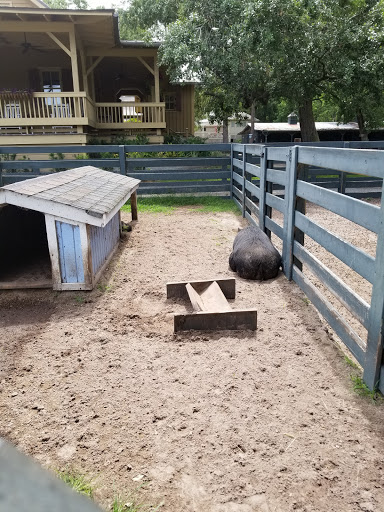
x=85, y=194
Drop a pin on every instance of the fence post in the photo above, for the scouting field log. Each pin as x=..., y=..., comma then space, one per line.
x=374, y=350
x=231, y=186
x=343, y=175
x=244, y=177
x=289, y=217
x=123, y=168
x=263, y=180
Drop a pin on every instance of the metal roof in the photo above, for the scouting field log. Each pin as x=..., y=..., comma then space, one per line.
x=286, y=127
x=87, y=194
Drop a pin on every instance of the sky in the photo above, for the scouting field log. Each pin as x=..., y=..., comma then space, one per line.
x=106, y=4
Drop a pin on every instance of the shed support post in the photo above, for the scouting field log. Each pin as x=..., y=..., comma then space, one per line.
x=134, y=205
x=289, y=217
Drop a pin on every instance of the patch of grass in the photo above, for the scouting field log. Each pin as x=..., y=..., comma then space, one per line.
x=103, y=287
x=351, y=363
x=168, y=204
x=306, y=301
x=78, y=482
x=79, y=299
x=360, y=387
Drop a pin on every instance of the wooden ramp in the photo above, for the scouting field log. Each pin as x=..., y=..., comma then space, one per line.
x=212, y=310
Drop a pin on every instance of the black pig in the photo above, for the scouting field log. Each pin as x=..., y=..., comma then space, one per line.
x=253, y=255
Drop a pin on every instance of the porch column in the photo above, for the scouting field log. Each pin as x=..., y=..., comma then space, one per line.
x=75, y=66
x=157, y=85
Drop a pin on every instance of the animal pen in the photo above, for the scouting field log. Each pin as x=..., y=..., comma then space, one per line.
x=264, y=178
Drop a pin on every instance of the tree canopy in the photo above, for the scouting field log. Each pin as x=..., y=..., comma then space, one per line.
x=254, y=52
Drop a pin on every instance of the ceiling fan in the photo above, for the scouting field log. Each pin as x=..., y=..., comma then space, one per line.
x=29, y=46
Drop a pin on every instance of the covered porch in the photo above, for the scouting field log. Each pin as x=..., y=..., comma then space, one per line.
x=69, y=75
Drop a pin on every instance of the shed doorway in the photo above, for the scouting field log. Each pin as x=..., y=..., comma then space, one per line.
x=24, y=254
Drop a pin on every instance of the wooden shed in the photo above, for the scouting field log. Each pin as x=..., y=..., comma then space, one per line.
x=60, y=231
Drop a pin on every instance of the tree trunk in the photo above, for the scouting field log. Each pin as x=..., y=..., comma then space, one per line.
x=252, y=122
x=307, y=122
x=225, y=131
x=362, y=129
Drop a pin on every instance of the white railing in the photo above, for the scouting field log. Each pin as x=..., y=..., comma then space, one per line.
x=130, y=115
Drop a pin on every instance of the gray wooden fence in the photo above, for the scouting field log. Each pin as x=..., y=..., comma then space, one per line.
x=260, y=179
x=252, y=191
x=199, y=173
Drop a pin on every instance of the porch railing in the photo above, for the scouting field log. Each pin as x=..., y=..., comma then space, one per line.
x=130, y=115
x=39, y=108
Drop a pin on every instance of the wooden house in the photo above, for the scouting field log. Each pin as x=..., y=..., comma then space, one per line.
x=60, y=230
x=67, y=78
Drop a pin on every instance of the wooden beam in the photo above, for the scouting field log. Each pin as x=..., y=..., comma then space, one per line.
x=59, y=43
x=146, y=65
x=92, y=67
x=157, y=79
x=134, y=205
x=121, y=52
x=35, y=26
x=240, y=319
x=178, y=290
x=75, y=66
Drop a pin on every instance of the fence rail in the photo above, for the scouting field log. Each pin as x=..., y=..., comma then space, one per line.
x=252, y=186
x=168, y=175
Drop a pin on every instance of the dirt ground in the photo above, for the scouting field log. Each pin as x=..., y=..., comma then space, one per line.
x=263, y=421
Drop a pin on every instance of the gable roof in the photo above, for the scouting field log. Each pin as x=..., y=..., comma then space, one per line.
x=85, y=194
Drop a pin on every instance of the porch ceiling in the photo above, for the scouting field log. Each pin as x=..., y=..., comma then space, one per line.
x=97, y=28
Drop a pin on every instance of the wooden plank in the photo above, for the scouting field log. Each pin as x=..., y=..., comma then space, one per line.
x=195, y=298
x=363, y=214
x=213, y=298
x=177, y=162
x=368, y=162
x=254, y=149
x=134, y=205
x=275, y=228
x=178, y=289
x=289, y=217
x=356, y=259
x=241, y=319
x=277, y=153
x=275, y=202
x=262, y=186
x=208, y=174
x=276, y=176
x=15, y=285
x=252, y=206
x=237, y=163
x=345, y=332
x=253, y=169
x=255, y=191
x=351, y=301
x=374, y=351
x=175, y=188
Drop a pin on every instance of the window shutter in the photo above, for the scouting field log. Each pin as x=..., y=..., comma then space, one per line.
x=66, y=77
x=34, y=80
x=178, y=101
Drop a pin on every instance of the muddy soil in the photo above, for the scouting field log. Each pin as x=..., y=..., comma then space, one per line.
x=204, y=422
